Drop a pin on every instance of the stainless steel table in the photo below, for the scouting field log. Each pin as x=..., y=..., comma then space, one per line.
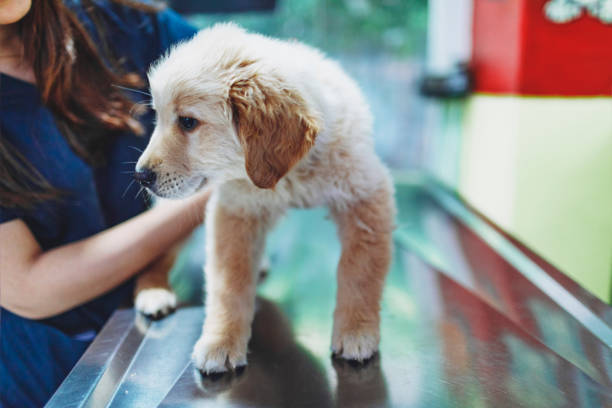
x=470, y=318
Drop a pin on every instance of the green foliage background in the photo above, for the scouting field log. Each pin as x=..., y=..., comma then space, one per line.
x=395, y=27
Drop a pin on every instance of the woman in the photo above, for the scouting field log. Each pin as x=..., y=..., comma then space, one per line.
x=72, y=233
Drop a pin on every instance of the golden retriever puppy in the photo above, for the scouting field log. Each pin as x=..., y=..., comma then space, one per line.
x=269, y=125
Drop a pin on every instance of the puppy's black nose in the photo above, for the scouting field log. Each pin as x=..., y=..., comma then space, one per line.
x=146, y=177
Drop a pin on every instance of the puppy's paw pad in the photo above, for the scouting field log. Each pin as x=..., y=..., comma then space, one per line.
x=155, y=303
x=218, y=356
x=355, y=346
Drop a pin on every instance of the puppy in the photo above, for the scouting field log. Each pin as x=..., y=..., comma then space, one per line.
x=269, y=125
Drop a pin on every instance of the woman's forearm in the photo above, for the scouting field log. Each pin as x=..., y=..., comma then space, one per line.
x=59, y=279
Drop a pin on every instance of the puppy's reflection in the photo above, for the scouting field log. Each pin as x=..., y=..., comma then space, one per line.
x=282, y=373
x=360, y=385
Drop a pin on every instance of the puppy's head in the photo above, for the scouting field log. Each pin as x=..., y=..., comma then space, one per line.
x=222, y=115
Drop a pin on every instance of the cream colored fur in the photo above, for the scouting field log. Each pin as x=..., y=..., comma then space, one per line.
x=321, y=154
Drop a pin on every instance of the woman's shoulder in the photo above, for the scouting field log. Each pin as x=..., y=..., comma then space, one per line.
x=137, y=32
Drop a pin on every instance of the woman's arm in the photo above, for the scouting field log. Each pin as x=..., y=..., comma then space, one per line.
x=38, y=284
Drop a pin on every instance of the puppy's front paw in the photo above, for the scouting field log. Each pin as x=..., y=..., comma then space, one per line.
x=155, y=303
x=359, y=345
x=217, y=356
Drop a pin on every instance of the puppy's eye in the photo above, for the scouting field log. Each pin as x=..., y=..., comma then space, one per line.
x=187, y=123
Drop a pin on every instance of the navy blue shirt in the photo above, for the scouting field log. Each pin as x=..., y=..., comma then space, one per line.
x=35, y=356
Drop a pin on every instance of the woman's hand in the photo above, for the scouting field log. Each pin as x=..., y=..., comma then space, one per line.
x=38, y=284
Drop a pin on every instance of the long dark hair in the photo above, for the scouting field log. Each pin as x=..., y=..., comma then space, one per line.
x=77, y=86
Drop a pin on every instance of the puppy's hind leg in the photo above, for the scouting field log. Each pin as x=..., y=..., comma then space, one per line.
x=234, y=242
x=365, y=231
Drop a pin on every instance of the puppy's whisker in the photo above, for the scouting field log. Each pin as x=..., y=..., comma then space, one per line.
x=128, y=172
x=128, y=162
x=125, y=88
x=135, y=148
x=138, y=193
x=127, y=188
x=139, y=108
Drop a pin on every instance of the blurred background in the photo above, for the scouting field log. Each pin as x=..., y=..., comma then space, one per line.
x=506, y=102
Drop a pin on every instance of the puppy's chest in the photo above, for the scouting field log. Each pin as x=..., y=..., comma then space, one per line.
x=314, y=191
x=288, y=193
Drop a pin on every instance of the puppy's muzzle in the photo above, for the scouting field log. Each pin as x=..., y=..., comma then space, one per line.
x=146, y=177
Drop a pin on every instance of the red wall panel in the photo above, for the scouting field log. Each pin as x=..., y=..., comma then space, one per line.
x=516, y=49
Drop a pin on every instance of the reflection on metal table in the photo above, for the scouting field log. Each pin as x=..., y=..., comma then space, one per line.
x=470, y=318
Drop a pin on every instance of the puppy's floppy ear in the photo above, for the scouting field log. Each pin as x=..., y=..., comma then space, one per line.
x=275, y=127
